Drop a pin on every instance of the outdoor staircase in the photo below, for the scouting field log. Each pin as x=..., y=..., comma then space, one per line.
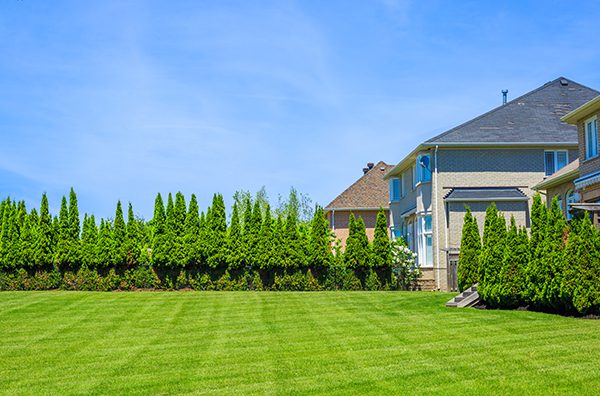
x=467, y=298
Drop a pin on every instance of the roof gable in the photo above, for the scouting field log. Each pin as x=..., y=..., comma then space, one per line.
x=370, y=191
x=531, y=118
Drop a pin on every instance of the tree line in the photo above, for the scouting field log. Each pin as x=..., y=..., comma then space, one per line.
x=555, y=268
x=181, y=238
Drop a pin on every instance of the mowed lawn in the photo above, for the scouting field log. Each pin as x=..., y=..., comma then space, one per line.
x=287, y=343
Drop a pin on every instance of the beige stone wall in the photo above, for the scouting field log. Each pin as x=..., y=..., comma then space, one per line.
x=340, y=222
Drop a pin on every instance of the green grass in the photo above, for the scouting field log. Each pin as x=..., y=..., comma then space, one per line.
x=287, y=343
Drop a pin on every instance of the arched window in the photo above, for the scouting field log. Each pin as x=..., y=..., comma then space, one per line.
x=570, y=200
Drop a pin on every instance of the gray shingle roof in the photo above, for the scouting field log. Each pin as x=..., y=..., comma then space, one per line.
x=485, y=194
x=531, y=118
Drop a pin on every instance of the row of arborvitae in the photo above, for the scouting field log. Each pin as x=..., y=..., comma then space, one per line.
x=181, y=238
x=555, y=269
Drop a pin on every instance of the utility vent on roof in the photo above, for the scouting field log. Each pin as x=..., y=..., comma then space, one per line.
x=564, y=82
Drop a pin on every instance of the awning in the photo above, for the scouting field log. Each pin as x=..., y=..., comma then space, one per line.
x=590, y=207
x=485, y=194
x=587, y=180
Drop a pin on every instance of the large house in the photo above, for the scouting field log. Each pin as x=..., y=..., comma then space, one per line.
x=363, y=198
x=577, y=186
x=495, y=157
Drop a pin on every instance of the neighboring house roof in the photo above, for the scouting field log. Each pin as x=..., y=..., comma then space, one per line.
x=479, y=194
x=566, y=174
x=582, y=111
x=533, y=119
x=368, y=192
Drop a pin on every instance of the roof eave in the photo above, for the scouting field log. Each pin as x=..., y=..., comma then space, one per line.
x=552, y=182
x=582, y=111
x=491, y=199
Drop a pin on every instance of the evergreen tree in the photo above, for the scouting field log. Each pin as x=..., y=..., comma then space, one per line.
x=534, y=272
x=5, y=235
x=580, y=289
x=320, y=241
x=234, y=241
x=28, y=239
x=89, y=239
x=492, y=254
x=277, y=258
x=44, y=242
x=470, y=251
x=552, y=257
x=247, y=236
x=104, y=246
x=134, y=239
x=509, y=292
x=265, y=239
x=357, y=254
x=217, y=239
x=178, y=255
x=119, y=235
x=63, y=245
x=159, y=234
x=382, y=252
x=74, y=230
x=192, y=233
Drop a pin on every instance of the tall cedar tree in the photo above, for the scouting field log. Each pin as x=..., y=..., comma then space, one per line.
x=276, y=259
x=192, y=233
x=62, y=255
x=28, y=238
x=580, y=288
x=265, y=243
x=254, y=236
x=5, y=233
x=74, y=229
x=17, y=224
x=44, y=241
x=133, y=240
x=170, y=231
x=179, y=255
x=247, y=236
x=104, y=245
x=357, y=252
x=159, y=247
x=234, y=241
x=89, y=239
x=492, y=253
x=509, y=291
x=534, y=272
x=553, y=258
x=382, y=252
x=293, y=254
x=320, y=243
x=119, y=234
x=470, y=251
x=217, y=230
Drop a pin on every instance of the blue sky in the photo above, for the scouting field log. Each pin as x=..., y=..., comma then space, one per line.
x=123, y=99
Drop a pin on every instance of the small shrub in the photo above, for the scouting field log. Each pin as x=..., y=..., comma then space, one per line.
x=372, y=281
x=350, y=281
x=257, y=283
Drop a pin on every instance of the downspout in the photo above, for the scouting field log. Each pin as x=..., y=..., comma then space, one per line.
x=333, y=219
x=437, y=228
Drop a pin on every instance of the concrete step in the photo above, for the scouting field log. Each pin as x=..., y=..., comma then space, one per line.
x=467, y=298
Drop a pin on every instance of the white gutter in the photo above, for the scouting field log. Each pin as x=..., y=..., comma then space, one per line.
x=351, y=209
x=435, y=196
x=582, y=111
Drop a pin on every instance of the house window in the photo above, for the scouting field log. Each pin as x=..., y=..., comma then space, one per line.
x=555, y=160
x=409, y=235
x=423, y=166
x=396, y=232
x=395, y=189
x=591, y=137
x=402, y=191
x=414, y=176
x=570, y=200
x=425, y=241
